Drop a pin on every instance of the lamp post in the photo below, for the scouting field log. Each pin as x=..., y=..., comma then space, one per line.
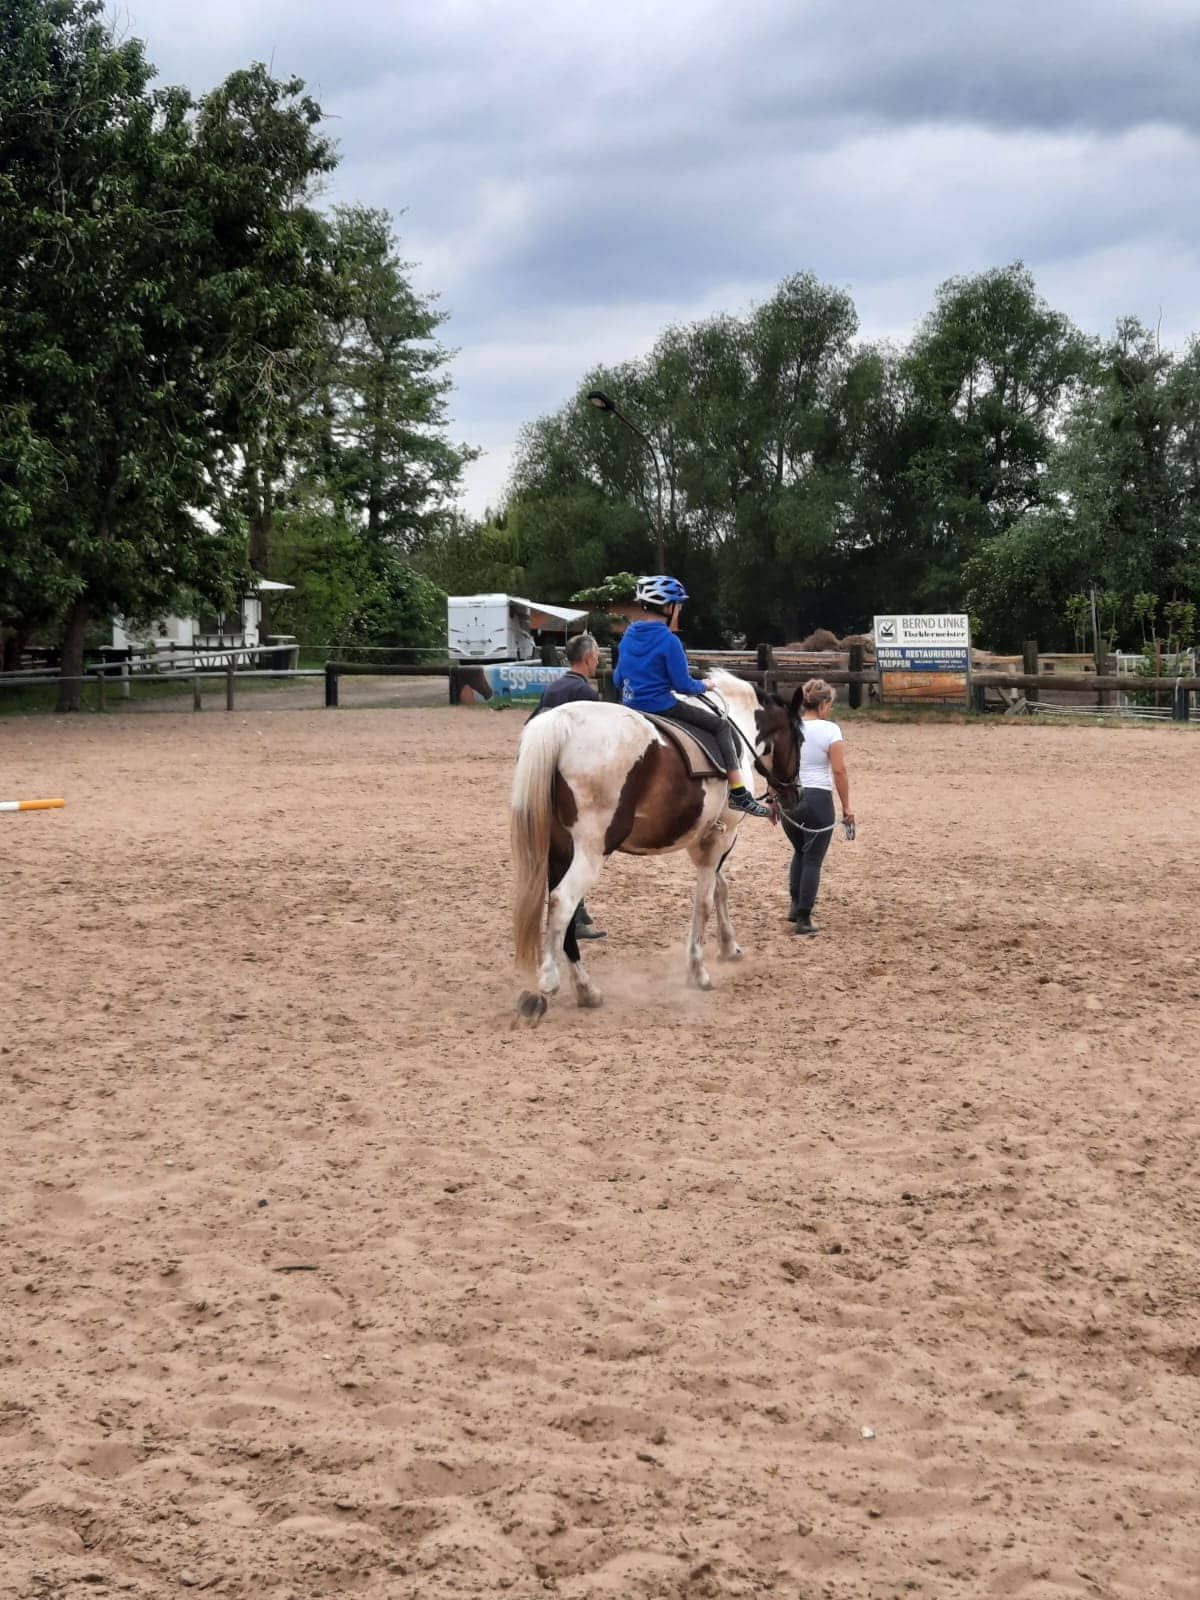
x=602, y=403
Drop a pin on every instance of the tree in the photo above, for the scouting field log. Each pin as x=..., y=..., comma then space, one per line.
x=256, y=140
x=33, y=590
x=469, y=556
x=1121, y=486
x=746, y=418
x=582, y=499
x=766, y=446
x=1113, y=469
x=349, y=591
x=1017, y=583
x=152, y=280
x=989, y=373
x=384, y=448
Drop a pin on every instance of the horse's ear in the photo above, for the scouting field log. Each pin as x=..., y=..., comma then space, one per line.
x=797, y=701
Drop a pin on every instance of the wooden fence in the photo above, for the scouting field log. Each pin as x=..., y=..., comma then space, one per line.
x=1057, y=677
x=1058, y=674
x=175, y=667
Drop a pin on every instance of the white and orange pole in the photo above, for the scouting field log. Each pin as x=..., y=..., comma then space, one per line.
x=32, y=805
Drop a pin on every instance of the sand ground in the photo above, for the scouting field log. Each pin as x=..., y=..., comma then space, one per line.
x=872, y=1273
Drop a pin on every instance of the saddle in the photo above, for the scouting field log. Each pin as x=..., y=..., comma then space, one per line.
x=700, y=751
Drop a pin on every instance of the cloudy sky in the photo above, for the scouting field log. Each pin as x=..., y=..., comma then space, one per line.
x=569, y=177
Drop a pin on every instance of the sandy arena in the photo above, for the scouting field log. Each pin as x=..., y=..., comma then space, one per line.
x=872, y=1273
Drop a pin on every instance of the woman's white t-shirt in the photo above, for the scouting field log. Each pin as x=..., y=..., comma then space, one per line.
x=819, y=735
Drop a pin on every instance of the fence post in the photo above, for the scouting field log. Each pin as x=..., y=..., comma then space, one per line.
x=855, y=663
x=1032, y=668
x=100, y=691
x=1106, y=697
x=1181, y=708
x=125, y=680
x=229, y=684
x=765, y=660
x=331, y=685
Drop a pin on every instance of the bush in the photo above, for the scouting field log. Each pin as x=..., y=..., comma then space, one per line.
x=617, y=588
x=348, y=592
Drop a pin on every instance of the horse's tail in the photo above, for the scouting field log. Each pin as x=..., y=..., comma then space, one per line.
x=532, y=817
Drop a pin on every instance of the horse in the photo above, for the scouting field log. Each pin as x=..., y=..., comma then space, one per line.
x=593, y=778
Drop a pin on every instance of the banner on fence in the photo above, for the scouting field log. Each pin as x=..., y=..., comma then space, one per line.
x=924, y=657
x=503, y=680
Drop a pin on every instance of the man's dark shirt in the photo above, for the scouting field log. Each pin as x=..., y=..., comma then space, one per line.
x=571, y=686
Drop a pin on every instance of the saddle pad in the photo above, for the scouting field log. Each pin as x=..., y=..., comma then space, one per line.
x=700, y=752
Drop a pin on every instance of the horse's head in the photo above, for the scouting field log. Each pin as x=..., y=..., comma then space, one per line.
x=779, y=735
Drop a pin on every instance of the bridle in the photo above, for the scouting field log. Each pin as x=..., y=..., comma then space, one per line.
x=774, y=785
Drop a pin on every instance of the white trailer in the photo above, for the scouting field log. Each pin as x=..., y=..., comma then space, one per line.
x=500, y=627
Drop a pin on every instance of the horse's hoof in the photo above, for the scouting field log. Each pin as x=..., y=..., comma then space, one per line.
x=531, y=1008
x=699, y=980
x=732, y=955
x=588, y=999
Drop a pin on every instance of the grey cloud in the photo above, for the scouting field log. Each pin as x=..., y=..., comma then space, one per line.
x=572, y=176
x=1074, y=63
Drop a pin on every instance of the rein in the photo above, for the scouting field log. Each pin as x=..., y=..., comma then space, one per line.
x=773, y=785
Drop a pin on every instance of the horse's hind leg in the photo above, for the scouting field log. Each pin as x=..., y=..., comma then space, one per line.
x=586, y=993
x=566, y=891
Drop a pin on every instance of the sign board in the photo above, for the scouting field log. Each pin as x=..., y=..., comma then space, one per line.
x=504, y=680
x=924, y=657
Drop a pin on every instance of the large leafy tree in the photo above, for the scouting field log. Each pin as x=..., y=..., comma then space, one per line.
x=383, y=408
x=347, y=592
x=153, y=272
x=350, y=479
x=746, y=418
x=1115, y=467
x=1123, y=493
x=988, y=375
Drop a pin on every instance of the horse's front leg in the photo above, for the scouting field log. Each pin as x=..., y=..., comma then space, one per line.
x=702, y=904
x=730, y=949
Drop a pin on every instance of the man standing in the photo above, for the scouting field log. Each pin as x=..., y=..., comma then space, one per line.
x=583, y=657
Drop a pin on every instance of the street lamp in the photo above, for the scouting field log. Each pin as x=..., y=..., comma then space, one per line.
x=601, y=402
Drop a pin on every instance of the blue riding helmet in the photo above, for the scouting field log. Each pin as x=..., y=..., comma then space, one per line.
x=660, y=591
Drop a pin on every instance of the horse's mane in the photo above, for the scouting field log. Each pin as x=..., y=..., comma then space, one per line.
x=736, y=691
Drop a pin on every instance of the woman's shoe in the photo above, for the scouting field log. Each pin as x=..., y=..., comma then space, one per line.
x=805, y=924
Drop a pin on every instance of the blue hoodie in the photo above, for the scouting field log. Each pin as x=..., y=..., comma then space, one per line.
x=652, y=668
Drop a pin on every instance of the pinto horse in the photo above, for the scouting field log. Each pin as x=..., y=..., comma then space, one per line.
x=592, y=778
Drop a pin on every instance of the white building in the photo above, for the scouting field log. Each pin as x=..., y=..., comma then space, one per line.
x=235, y=630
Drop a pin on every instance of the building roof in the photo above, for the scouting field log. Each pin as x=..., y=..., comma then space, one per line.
x=564, y=615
